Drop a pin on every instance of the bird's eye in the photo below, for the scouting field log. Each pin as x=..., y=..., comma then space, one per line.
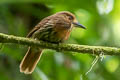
x=70, y=18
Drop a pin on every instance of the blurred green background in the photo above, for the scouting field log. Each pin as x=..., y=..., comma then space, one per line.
x=102, y=19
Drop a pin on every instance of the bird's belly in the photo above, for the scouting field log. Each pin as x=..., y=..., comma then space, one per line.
x=50, y=36
x=53, y=36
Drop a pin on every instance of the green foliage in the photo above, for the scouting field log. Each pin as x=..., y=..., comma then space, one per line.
x=101, y=17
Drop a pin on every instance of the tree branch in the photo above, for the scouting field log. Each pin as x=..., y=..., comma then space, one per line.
x=60, y=47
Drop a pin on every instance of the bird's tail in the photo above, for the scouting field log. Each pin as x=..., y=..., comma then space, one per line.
x=30, y=60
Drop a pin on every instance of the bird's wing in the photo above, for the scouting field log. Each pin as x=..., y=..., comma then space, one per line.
x=32, y=32
x=38, y=26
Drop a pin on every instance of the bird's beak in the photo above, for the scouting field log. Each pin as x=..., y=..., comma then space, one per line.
x=76, y=24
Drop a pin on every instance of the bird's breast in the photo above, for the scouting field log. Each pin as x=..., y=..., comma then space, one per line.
x=63, y=34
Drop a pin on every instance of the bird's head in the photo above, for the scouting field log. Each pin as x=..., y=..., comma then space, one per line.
x=71, y=17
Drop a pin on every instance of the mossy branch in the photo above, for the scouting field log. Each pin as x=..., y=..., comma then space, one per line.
x=60, y=47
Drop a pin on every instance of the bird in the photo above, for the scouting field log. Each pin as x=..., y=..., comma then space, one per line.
x=54, y=29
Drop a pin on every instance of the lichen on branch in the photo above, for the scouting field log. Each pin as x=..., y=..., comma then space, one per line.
x=60, y=47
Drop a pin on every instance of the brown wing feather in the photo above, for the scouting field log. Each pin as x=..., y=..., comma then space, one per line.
x=32, y=32
x=39, y=25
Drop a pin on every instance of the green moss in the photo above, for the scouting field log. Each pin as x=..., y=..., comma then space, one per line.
x=97, y=50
